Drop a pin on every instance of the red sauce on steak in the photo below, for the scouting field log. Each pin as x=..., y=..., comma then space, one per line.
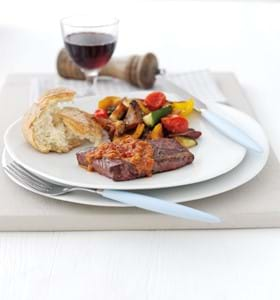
x=137, y=152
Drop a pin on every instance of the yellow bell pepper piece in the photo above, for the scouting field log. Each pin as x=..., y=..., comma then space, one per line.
x=106, y=102
x=183, y=108
x=138, y=131
x=157, y=132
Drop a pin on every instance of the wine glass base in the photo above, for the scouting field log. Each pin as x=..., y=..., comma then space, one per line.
x=91, y=80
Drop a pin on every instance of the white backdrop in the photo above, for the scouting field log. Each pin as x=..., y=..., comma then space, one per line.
x=243, y=37
x=200, y=33
x=238, y=36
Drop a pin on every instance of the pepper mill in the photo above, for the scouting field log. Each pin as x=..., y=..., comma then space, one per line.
x=138, y=70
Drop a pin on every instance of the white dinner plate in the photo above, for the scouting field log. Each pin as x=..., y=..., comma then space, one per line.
x=251, y=165
x=215, y=155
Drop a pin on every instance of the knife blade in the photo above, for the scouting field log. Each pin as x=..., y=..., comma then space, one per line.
x=220, y=123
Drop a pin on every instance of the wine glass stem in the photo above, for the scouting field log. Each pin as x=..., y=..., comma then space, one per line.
x=91, y=79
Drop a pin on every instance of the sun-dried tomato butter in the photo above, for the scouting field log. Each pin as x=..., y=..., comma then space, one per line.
x=137, y=152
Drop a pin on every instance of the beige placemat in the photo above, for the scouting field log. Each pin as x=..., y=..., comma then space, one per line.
x=255, y=204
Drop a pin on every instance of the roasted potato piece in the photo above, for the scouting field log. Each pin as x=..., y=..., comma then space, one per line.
x=126, y=102
x=119, y=128
x=119, y=112
x=142, y=106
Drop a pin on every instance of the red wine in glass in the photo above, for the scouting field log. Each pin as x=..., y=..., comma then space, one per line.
x=90, y=50
x=90, y=41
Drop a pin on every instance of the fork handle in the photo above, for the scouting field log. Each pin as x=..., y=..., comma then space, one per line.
x=155, y=204
x=159, y=206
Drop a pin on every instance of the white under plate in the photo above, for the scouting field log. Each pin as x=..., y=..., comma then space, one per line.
x=215, y=155
x=252, y=164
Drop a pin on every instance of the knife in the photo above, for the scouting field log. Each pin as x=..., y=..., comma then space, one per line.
x=224, y=126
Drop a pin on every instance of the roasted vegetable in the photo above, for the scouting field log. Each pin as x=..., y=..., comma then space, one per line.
x=144, y=109
x=133, y=116
x=186, y=142
x=119, y=128
x=109, y=102
x=101, y=113
x=146, y=135
x=126, y=102
x=116, y=128
x=157, y=132
x=183, y=108
x=154, y=117
x=138, y=131
x=175, y=123
x=155, y=100
x=190, y=133
x=119, y=112
x=107, y=125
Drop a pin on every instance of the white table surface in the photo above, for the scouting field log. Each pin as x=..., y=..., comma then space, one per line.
x=228, y=264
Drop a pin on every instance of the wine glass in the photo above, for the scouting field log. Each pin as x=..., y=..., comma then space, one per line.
x=90, y=42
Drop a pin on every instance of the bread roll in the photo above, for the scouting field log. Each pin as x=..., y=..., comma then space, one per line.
x=50, y=128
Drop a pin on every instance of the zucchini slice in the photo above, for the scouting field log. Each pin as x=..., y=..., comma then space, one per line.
x=154, y=117
x=185, y=141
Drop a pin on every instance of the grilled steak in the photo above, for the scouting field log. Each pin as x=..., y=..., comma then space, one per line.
x=116, y=169
x=168, y=155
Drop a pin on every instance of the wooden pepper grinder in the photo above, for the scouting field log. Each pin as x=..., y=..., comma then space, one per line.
x=138, y=70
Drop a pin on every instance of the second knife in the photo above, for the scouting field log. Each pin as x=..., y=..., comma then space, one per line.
x=224, y=126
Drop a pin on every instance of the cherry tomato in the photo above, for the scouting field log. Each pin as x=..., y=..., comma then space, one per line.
x=175, y=123
x=101, y=113
x=155, y=100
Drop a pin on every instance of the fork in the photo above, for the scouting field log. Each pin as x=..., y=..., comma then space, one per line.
x=46, y=188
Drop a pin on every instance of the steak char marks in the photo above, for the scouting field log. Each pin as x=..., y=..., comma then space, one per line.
x=168, y=155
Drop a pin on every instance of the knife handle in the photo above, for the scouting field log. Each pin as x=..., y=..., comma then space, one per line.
x=159, y=206
x=230, y=130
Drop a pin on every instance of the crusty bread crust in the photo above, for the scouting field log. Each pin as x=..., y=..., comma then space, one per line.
x=79, y=123
x=82, y=124
x=50, y=97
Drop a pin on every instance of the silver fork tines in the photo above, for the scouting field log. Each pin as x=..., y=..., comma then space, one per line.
x=20, y=171
x=41, y=186
x=33, y=181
